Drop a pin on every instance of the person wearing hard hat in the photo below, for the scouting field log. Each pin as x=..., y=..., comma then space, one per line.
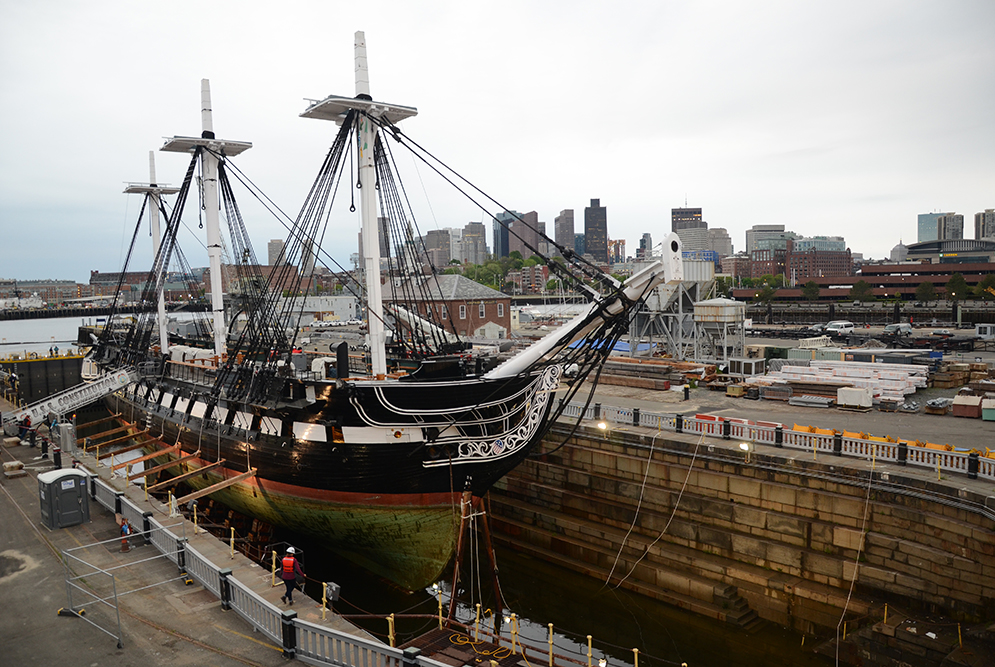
x=290, y=571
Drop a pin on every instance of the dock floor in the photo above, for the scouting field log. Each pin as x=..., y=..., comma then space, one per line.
x=163, y=621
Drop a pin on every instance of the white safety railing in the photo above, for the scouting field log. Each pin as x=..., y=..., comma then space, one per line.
x=105, y=495
x=327, y=647
x=204, y=572
x=163, y=540
x=259, y=613
x=817, y=443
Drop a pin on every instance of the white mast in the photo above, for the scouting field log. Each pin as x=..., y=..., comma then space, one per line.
x=209, y=162
x=156, y=191
x=335, y=108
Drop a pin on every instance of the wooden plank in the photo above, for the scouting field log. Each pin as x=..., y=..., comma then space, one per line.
x=128, y=448
x=171, y=450
x=80, y=441
x=97, y=421
x=184, y=476
x=164, y=466
x=215, y=487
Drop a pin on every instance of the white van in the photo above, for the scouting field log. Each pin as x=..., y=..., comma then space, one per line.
x=839, y=327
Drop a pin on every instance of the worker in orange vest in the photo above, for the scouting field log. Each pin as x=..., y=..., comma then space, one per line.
x=290, y=570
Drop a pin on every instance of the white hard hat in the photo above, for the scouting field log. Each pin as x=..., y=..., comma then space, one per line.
x=291, y=550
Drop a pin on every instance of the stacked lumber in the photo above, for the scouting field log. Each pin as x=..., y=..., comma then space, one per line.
x=824, y=378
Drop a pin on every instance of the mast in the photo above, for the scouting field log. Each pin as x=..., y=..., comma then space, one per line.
x=335, y=108
x=209, y=167
x=156, y=191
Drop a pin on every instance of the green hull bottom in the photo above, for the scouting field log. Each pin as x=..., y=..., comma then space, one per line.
x=410, y=545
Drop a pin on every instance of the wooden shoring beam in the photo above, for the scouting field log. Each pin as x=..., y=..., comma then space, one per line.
x=105, y=434
x=171, y=450
x=215, y=487
x=184, y=476
x=128, y=448
x=97, y=421
x=164, y=466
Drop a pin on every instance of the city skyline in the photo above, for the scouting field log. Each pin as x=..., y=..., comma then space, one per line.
x=820, y=117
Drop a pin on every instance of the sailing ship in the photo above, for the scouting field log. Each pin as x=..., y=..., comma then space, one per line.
x=374, y=463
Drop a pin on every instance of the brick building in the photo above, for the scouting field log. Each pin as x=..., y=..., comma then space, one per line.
x=461, y=305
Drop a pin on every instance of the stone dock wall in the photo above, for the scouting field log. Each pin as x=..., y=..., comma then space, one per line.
x=769, y=534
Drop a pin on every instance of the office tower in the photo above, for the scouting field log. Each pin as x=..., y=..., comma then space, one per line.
x=984, y=224
x=596, y=231
x=926, y=227
x=645, y=246
x=580, y=244
x=523, y=235
x=758, y=232
x=501, y=223
x=720, y=241
x=950, y=226
x=273, y=250
x=563, y=228
x=686, y=218
x=474, y=243
x=438, y=247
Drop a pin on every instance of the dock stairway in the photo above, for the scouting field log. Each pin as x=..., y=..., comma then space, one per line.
x=72, y=399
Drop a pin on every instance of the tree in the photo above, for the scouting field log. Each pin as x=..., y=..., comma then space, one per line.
x=981, y=291
x=766, y=294
x=925, y=292
x=723, y=286
x=811, y=290
x=861, y=291
x=956, y=287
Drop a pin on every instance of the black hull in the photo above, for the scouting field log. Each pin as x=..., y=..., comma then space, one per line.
x=373, y=464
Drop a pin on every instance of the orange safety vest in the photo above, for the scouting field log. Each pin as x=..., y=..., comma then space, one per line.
x=288, y=565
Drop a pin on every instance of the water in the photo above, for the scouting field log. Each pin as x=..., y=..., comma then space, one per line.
x=538, y=592
x=23, y=337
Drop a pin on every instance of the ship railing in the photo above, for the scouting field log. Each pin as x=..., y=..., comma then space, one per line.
x=942, y=460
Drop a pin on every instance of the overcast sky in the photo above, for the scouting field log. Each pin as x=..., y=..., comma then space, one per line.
x=836, y=118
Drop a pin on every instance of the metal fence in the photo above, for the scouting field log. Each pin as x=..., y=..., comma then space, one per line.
x=311, y=643
x=316, y=646
x=954, y=462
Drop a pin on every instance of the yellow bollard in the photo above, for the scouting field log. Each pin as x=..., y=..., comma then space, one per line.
x=635, y=657
x=960, y=640
x=273, y=583
x=589, y=651
x=885, y=612
x=550, y=645
x=514, y=632
x=390, y=631
x=844, y=630
x=476, y=625
x=438, y=590
x=195, y=519
x=233, y=544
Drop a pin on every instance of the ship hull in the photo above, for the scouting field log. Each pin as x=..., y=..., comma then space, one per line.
x=383, y=486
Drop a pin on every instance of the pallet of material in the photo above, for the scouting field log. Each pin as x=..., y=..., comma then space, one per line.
x=930, y=410
x=11, y=442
